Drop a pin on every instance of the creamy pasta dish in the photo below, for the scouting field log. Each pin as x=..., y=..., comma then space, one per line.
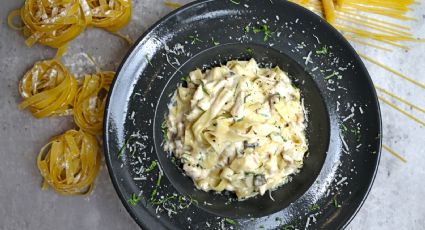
x=237, y=127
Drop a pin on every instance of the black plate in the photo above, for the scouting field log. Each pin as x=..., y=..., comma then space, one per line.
x=344, y=122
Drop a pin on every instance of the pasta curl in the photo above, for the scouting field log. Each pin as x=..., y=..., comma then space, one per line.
x=69, y=163
x=90, y=101
x=48, y=89
x=112, y=15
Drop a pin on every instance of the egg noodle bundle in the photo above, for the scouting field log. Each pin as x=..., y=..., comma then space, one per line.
x=90, y=101
x=56, y=22
x=48, y=89
x=69, y=163
x=112, y=15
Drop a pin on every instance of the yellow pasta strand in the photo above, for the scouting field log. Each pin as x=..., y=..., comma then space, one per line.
x=90, y=101
x=400, y=99
x=394, y=153
x=392, y=71
x=69, y=163
x=48, y=89
x=329, y=9
x=402, y=111
x=173, y=5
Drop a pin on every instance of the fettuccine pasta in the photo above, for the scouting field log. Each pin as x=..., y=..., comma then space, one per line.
x=90, y=101
x=237, y=127
x=48, y=89
x=56, y=22
x=112, y=15
x=69, y=163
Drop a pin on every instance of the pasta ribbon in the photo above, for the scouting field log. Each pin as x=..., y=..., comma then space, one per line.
x=90, y=101
x=112, y=15
x=51, y=23
x=70, y=162
x=48, y=89
x=56, y=22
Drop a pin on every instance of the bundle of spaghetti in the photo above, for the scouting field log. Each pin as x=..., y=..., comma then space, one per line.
x=56, y=22
x=70, y=162
x=48, y=89
x=90, y=101
x=354, y=18
x=112, y=15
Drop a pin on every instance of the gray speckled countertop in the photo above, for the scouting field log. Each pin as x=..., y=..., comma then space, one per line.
x=395, y=201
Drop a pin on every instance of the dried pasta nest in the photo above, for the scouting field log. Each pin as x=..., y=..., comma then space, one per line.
x=70, y=162
x=48, y=89
x=89, y=104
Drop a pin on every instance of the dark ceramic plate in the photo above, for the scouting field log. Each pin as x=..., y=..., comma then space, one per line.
x=344, y=123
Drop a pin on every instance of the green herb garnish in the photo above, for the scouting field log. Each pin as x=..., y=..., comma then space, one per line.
x=230, y=221
x=313, y=208
x=148, y=60
x=194, y=39
x=155, y=191
x=204, y=89
x=121, y=152
x=249, y=50
x=134, y=199
x=164, y=130
x=336, y=202
x=237, y=2
x=265, y=29
x=344, y=128
x=163, y=200
x=186, y=79
x=216, y=43
x=151, y=167
x=288, y=227
x=324, y=50
x=246, y=28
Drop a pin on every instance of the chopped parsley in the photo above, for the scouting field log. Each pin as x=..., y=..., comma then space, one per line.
x=246, y=28
x=148, y=60
x=164, y=130
x=324, y=50
x=155, y=191
x=335, y=201
x=237, y=2
x=186, y=79
x=194, y=39
x=288, y=227
x=313, y=208
x=344, y=128
x=230, y=221
x=249, y=50
x=265, y=29
x=164, y=200
x=121, y=152
x=216, y=43
x=204, y=89
x=134, y=199
x=151, y=167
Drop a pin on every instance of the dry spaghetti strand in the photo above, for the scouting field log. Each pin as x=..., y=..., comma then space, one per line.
x=48, y=89
x=394, y=153
x=402, y=111
x=90, y=101
x=69, y=163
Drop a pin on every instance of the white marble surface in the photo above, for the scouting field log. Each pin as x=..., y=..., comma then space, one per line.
x=395, y=202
